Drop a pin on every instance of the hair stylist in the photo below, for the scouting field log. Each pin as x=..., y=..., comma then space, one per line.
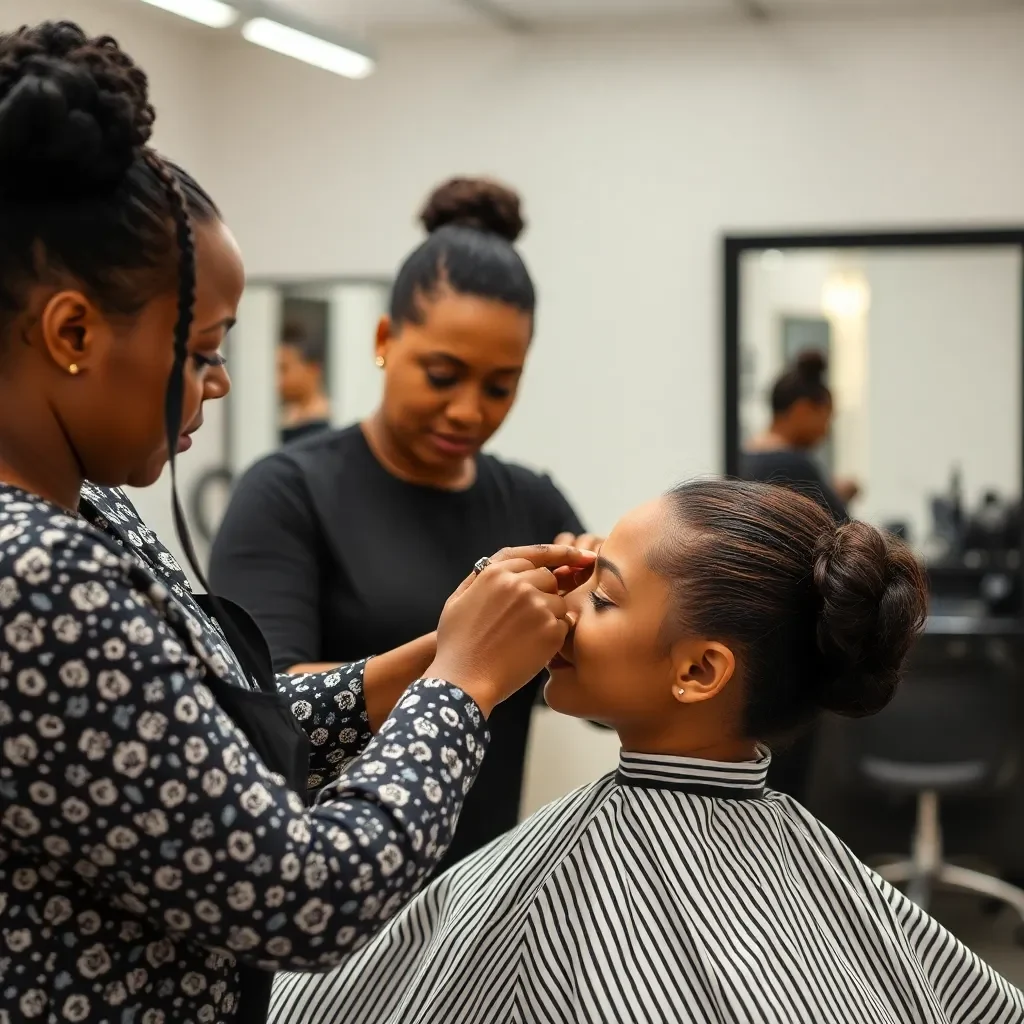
x=349, y=542
x=157, y=858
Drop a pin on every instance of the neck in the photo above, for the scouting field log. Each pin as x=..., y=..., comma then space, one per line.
x=769, y=441
x=726, y=748
x=399, y=463
x=39, y=459
x=316, y=407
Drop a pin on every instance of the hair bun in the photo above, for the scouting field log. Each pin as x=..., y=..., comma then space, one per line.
x=476, y=203
x=873, y=605
x=74, y=112
x=811, y=365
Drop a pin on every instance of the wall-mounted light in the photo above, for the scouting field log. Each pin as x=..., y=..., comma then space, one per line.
x=273, y=35
x=846, y=296
x=269, y=25
x=212, y=13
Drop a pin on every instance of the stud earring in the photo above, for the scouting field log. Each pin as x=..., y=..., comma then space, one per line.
x=73, y=369
x=678, y=692
x=379, y=361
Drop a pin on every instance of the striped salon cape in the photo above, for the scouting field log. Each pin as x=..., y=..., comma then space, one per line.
x=674, y=890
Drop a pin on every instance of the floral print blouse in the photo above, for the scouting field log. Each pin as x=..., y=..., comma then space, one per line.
x=145, y=850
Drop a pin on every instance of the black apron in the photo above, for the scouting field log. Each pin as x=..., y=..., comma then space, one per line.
x=269, y=725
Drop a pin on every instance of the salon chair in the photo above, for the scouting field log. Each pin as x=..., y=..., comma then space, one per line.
x=951, y=733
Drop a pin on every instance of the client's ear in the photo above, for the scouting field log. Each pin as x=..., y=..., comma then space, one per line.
x=702, y=669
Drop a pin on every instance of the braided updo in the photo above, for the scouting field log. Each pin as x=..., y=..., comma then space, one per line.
x=81, y=194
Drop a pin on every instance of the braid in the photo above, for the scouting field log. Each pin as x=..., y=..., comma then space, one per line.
x=186, y=251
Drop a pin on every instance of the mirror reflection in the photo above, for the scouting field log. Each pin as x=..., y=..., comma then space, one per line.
x=888, y=383
x=302, y=380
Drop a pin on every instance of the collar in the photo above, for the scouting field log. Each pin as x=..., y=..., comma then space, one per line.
x=725, y=780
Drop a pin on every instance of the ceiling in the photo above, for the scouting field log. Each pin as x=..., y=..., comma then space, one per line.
x=367, y=16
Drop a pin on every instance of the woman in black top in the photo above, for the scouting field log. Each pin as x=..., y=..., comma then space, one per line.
x=305, y=408
x=349, y=542
x=801, y=420
x=158, y=857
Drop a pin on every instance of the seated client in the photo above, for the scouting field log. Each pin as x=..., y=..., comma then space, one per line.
x=679, y=888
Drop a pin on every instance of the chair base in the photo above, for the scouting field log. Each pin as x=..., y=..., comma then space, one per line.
x=949, y=876
x=926, y=870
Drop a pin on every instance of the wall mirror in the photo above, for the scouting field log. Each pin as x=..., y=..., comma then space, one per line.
x=297, y=336
x=922, y=336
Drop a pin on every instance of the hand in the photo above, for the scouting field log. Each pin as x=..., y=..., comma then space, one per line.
x=847, y=490
x=569, y=578
x=501, y=627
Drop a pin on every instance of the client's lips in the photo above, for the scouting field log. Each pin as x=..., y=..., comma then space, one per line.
x=558, y=661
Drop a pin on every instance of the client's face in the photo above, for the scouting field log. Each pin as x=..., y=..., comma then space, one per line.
x=616, y=667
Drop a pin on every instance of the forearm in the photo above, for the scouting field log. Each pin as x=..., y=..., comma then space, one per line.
x=386, y=676
x=341, y=706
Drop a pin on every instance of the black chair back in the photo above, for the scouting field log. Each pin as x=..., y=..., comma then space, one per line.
x=954, y=724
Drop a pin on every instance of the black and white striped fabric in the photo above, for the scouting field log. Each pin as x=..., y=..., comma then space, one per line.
x=673, y=890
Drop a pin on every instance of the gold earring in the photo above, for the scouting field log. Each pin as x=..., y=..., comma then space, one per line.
x=379, y=361
x=73, y=369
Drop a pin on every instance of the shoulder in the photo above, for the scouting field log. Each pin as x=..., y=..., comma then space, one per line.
x=294, y=462
x=27, y=522
x=49, y=559
x=767, y=465
x=519, y=480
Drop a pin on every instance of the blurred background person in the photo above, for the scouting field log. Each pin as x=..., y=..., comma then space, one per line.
x=801, y=421
x=350, y=541
x=305, y=407
x=784, y=455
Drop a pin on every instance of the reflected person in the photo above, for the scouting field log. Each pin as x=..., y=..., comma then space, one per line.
x=305, y=407
x=350, y=541
x=802, y=412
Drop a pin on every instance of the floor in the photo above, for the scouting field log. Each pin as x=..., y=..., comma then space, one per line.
x=991, y=937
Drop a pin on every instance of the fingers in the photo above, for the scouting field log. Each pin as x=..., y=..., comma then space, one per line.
x=567, y=540
x=570, y=579
x=589, y=542
x=464, y=585
x=543, y=579
x=546, y=556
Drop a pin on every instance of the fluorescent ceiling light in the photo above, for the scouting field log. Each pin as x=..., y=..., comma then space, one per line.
x=309, y=48
x=207, y=12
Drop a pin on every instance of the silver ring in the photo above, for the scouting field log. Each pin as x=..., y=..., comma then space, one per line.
x=480, y=565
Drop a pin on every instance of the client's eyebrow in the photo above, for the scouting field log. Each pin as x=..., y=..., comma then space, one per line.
x=604, y=565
